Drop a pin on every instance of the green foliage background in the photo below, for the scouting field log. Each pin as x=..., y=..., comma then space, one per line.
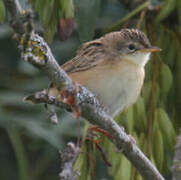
x=30, y=143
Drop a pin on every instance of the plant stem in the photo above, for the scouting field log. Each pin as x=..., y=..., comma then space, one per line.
x=117, y=25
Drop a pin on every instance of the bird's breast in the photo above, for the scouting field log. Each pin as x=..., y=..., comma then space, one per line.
x=117, y=85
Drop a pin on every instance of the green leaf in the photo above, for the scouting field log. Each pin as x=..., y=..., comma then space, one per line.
x=140, y=115
x=158, y=149
x=86, y=16
x=86, y=161
x=146, y=91
x=48, y=11
x=168, y=7
x=139, y=177
x=141, y=140
x=156, y=96
x=129, y=119
x=19, y=151
x=44, y=9
x=125, y=170
x=2, y=12
x=67, y=8
x=166, y=127
x=179, y=10
x=166, y=81
x=50, y=31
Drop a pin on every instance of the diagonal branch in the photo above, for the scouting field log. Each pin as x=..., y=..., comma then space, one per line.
x=35, y=50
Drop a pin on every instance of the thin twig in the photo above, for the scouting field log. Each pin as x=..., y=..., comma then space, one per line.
x=141, y=19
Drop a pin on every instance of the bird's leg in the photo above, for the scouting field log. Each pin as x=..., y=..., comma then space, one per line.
x=94, y=138
x=102, y=131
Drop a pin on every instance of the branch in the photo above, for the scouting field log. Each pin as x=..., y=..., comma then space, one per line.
x=16, y=12
x=177, y=160
x=35, y=50
x=69, y=157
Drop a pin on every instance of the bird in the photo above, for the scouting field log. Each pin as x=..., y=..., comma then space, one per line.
x=112, y=67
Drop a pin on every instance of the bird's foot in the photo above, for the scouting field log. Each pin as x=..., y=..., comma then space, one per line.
x=95, y=139
x=99, y=130
x=69, y=97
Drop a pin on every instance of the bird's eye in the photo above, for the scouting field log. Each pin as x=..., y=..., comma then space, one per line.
x=131, y=47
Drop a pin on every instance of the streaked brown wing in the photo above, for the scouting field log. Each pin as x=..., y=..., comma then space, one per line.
x=87, y=57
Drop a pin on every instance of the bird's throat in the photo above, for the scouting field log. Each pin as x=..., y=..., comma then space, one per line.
x=139, y=58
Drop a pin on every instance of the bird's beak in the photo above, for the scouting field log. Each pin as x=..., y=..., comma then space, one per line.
x=151, y=49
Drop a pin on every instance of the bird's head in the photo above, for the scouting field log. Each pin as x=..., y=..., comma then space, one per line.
x=130, y=44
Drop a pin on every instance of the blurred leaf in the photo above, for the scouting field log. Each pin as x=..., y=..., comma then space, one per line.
x=67, y=9
x=48, y=11
x=141, y=140
x=56, y=14
x=2, y=12
x=35, y=126
x=124, y=171
x=50, y=31
x=170, y=56
x=164, y=41
x=166, y=128
x=86, y=163
x=149, y=68
x=157, y=92
x=179, y=10
x=158, y=149
x=115, y=159
x=168, y=53
x=17, y=144
x=45, y=9
x=8, y=97
x=120, y=23
x=86, y=16
x=166, y=80
x=146, y=91
x=66, y=20
x=140, y=115
x=139, y=177
x=66, y=27
x=168, y=7
x=129, y=119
